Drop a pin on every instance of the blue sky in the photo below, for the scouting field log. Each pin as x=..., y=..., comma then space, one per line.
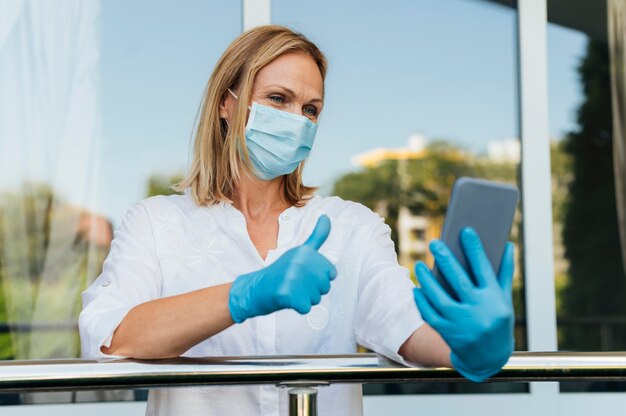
x=442, y=68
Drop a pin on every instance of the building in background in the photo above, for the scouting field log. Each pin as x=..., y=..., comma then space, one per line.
x=417, y=224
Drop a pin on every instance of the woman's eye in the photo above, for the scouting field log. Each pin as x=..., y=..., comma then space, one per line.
x=277, y=99
x=310, y=111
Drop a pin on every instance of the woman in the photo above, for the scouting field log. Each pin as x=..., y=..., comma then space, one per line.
x=249, y=262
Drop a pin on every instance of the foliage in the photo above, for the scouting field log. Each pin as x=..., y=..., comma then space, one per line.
x=423, y=185
x=46, y=260
x=373, y=187
x=596, y=288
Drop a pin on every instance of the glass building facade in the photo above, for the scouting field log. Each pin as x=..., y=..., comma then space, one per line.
x=98, y=101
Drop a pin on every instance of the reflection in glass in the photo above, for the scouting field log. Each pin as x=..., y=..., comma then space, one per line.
x=617, y=52
x=97, y=102
x=445, y=69
x=590, y=280
x=52, y=240
x=101, y=117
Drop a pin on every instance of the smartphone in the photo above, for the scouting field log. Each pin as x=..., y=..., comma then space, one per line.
x=488, y=207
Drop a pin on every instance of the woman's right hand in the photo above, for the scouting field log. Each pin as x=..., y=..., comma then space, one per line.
x=297, y=280
x=478, y=327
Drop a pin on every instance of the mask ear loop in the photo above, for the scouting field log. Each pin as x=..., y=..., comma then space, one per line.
x=224, y=122
x=236, y=97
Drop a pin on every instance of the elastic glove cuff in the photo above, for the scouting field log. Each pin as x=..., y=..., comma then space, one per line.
x=474, y=375
x=237, y=299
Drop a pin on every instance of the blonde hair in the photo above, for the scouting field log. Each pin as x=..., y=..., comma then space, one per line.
x=219, y=149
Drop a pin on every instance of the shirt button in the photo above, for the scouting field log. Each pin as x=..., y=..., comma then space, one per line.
x=285, y=217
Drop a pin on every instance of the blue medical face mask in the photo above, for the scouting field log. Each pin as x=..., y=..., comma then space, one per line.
x=277, y=141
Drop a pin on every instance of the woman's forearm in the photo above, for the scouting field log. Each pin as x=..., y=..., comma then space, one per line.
x=425, y=346
x=167, y=327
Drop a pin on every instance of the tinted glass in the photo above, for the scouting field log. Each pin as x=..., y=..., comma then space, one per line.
x=97, y=101
x=418, y=94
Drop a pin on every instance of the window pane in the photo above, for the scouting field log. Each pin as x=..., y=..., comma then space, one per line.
x=590, y=281
x=96, y=98
x=417, y=94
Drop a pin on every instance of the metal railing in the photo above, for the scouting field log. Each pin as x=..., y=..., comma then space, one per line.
x=302, y=374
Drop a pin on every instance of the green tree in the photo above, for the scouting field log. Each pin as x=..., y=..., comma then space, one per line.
x=377, y=187
x=47, y=258
x=421, y=184
x=429, y=179
x=596, y=287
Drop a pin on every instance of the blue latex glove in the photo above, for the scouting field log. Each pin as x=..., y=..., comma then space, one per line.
x=297, y=280
x=479, y=327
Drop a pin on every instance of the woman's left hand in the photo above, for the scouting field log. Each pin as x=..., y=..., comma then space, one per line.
x=479, y=326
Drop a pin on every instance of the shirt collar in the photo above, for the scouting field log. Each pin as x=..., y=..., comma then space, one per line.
x=293, y=212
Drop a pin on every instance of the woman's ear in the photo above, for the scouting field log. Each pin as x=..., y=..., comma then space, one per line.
x=227, y=106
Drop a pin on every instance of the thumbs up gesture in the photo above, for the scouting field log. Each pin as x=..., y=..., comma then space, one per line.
x=297, y=280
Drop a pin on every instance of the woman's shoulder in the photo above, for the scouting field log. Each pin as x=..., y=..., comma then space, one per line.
x=163, y=203
x=161, y=208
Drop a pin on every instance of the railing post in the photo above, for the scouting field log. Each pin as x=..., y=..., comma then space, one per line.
x=303, y=401
x=303, y=396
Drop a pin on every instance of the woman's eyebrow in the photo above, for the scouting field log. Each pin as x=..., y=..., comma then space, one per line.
x=293, y=94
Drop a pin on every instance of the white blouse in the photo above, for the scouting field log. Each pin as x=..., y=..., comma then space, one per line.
x=168, y=245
